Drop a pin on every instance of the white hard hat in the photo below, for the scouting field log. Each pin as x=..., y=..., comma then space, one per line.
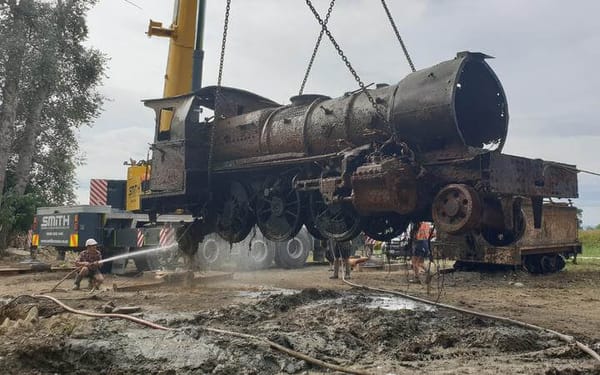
x=90, y=242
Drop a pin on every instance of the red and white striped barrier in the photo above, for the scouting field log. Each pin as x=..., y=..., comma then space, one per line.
x=167, y=236
x=140, y=238
x=369, y=241
x=98, y=192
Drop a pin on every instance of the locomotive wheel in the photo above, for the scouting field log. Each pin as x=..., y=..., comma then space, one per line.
x=234, y=218
x=497, y=237
x=543, y=263
x=312, y=228
x=338, y=221
x=278, y=211
x=456, y=209
x=384, y=227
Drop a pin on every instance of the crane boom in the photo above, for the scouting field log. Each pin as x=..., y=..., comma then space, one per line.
x=184, y=63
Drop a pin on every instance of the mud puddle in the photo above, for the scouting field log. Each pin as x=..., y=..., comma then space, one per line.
x=267, y=293
x=397, y=303
x=341, y=328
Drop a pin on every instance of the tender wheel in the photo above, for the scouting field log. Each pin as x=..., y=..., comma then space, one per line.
x=548, y=263
x=234, y=218
x=456, y=209
x=278, y=210
x=384, y=227
x=338, y=221
x=544, y=263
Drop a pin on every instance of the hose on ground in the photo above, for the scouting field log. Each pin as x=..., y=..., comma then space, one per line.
x=561, y=336
x=104, y=315
x=265, y=341
x=64, y=278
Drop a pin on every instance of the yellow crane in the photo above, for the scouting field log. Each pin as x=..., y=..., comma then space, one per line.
x=184, y=64
x=183, y=75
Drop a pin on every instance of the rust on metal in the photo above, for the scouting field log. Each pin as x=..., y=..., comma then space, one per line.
x=385, y=186
x=557, y=235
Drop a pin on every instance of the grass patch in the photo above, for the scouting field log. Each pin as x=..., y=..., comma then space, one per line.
x=590, y=240
x=590, y=251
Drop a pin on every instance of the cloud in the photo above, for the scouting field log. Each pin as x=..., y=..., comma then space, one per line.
x=546, y=55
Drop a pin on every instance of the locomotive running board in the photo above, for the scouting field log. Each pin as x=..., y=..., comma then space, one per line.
x=287, y=158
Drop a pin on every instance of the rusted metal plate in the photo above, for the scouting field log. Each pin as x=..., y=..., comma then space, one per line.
x=559, y=226
x=516, y=175
x=387, y=186
x=168, y=167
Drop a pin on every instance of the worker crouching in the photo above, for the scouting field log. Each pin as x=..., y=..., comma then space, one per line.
x=89, y=261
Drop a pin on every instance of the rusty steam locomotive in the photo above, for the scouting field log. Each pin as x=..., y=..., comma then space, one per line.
x=426, y=148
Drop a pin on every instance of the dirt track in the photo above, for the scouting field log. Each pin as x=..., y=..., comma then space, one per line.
x=304, y=310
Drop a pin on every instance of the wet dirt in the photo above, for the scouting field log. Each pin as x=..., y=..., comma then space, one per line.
x=304, y=311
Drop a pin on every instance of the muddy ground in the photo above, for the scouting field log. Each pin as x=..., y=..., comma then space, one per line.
x=305, y=311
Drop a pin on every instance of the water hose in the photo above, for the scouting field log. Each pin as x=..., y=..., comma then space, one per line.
x=104, y=315
x=64, y=278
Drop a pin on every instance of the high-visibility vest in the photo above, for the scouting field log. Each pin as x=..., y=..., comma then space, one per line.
x=423, y=232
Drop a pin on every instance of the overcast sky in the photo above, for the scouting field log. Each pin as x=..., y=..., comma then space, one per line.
x=547, y=55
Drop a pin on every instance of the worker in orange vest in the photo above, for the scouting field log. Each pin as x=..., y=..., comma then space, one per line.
x=420, y=249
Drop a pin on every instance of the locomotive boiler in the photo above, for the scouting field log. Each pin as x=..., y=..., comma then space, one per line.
x=427, y=148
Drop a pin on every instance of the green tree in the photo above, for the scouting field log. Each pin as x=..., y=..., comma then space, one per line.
x=49, y=88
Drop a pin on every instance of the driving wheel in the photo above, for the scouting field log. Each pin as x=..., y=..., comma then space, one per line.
x=337, y=221
x=384, y=227
x=456, y=209
x=234, y=216
x=278, y=210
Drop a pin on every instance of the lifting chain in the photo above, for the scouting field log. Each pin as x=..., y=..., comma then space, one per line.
x=406, y=150
x=217, y=115
x=362, y=86
x=389, y=15
x=317, y=44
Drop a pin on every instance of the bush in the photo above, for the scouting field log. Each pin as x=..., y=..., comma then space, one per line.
x=16, y=215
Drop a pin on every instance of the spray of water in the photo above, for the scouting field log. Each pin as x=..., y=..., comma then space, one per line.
x=138, y=253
